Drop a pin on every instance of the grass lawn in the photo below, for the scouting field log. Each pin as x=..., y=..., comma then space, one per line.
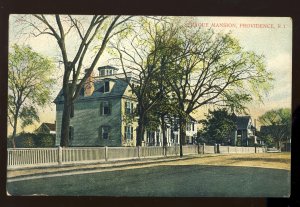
x=237, y=175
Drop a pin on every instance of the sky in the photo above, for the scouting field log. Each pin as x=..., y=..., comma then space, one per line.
x=269, y=36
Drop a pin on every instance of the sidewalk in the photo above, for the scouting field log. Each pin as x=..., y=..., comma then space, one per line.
x=81, y=167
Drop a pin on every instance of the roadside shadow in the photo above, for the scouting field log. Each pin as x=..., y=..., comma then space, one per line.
x=269, y=159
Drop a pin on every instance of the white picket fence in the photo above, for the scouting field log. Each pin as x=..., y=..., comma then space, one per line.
x=31, y=157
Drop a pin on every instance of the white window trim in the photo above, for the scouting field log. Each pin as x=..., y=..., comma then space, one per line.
x=130, y=132
x=126, y=106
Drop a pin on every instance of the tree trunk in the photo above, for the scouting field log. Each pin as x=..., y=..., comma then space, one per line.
x=163, y=128
x=140, y=130
x=182, y=134
x=14, y=131
x=16, y=115
x=65, y=124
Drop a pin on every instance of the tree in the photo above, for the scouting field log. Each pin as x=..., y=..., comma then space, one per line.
x=139, y=57
x=207, y=68
x=276, y=124
x=92, y=32
x=29, y=86
x=218, y=127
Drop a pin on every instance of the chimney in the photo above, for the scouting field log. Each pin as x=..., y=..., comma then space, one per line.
x=89, y=85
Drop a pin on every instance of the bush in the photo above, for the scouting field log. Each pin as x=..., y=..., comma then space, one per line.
x=25, y=140
x=45, y=140
x=9, y=143
x=31, y=140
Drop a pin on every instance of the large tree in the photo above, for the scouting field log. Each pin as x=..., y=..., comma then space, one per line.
x=276, y=124
x=204, y=68
x=139, y=57
x=218, y=127
x=29, y=86
x=76, y=36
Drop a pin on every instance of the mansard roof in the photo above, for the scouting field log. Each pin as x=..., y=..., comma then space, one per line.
x=242, y=122
x=117, y=90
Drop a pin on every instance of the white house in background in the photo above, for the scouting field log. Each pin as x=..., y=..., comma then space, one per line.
x=155, y=138
x=46, y=128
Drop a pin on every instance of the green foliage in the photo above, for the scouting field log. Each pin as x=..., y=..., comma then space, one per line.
x=218, y=127
x=44, y=140
x=25, y=140
x=28, y=115
x=278, y=125
x=31, y=140
x=29, y=85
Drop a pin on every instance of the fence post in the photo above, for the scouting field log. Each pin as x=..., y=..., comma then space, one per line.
x=59, y=155
x=198, y=148
x=228, y=149
x=203, y=148
x=139, y=151
x=106, y=153
x=255, y=149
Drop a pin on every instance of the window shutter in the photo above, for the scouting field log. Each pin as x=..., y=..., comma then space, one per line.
x=193, y=126
x=108, y=132
x=131, y=111
x=100, y=132
x=101, y=108
x=131, y=129
x=106, y=86
x=126, y=103
x=110, y=107
x=125, y=132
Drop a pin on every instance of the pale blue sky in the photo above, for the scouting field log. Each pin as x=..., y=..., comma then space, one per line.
x=275, y=43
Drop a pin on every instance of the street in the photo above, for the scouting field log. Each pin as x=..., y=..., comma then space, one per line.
x=247, y=175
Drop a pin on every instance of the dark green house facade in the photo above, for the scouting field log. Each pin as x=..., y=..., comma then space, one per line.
x=98, y=114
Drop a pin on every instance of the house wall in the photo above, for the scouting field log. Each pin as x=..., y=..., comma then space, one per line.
x=128, y=121
x=87, y=120
x=191, y=133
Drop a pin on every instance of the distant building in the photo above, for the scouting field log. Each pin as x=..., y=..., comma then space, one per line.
x=46, y=128
x=155, y=138
x=278, y=132
x=244, y=135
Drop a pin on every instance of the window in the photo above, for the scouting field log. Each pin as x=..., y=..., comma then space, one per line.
x=71, y=133
x=128, y=132
x=102, y=72
x=105, y=108
x=106, y=86
x=176, y=124
x=104, y=132
x=128, y=107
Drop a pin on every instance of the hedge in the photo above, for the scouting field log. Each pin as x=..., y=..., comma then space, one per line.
x=31, y=140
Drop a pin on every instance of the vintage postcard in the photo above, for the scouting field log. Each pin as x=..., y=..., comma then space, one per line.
x=149, y=106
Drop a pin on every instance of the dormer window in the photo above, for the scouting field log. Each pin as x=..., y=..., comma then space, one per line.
x=107, y=70
x=106, y=86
